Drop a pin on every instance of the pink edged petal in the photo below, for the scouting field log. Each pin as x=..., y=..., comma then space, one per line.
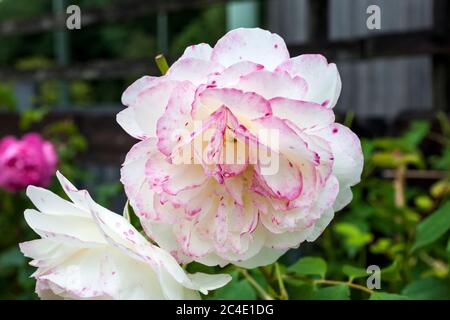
x=255, y=45
x=86, y=275
x=249, y=105
x=202, y=202
x=201, y=51
x=344, y=197
x=149, y=106
x=254, y=244
x=231, y=75
x=284, y=181
x=288, y=142
x=324, y=82
x=221, y=223
x=303, y=114
x=172, y=178
x=346, y=149
x=133, y=178
x=320, y=225
x=177, y=116
x=165, y=211
x=273, y=84
x=311, y=187
x=119, y=233
x=194, y=70
x=71, y=191
x=131, y=93
x=286, y=240
x=265, y=257
x=327, y=197
x=127, y=120
x=232, y=170
x=191, y=242
x=320, y=147
x=163, y=234
x=235, y=187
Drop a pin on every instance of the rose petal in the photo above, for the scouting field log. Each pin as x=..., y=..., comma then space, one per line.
x=255, y=45
x=324, y=82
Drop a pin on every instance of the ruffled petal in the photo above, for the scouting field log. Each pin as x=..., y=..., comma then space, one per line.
x=171, y=127
x=324, y=82
x=148, y=106
x=255, y=45
x=201, y=51
x=194, y=70
x=132, y=92
x=304, y=115
x=273, y=84
x=246, y=105
x=231, y=75
x=346, y=149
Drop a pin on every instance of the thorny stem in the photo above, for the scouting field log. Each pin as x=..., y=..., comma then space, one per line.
x=263, y=293
x=283, y=293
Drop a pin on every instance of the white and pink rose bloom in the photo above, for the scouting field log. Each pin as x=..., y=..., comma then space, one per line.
x=89, y=252
x=199, y=178
x=239, y=160
x=28, y=161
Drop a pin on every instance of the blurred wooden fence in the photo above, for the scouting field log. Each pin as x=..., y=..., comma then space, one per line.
x=401, y=69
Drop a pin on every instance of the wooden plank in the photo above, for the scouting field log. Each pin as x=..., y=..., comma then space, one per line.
x=390, y=45
x=124, y=10
x=383, y=45
x=99, y=127
x=107, y=69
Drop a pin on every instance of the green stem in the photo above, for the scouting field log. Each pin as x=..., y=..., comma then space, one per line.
x=283, y=293
x=335, y=282
x=161, y=62
x=263, y=293
x=349, y=284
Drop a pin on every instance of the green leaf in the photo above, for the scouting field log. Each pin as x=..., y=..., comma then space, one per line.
x=386, y=296
x=236, y=290
x=301, y=291
x=354, y=272
x=391, y=272
x=338, y=292
x=428, y=289
x=309, y=266
x=353, y=234
x=416, y=133
x=433, y=227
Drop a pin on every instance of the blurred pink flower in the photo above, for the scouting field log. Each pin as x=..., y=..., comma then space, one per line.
x=29, y=161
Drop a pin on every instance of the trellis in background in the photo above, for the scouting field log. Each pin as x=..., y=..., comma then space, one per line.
x=404, y=68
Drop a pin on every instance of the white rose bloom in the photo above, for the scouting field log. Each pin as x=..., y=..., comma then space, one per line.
x=89, y=252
